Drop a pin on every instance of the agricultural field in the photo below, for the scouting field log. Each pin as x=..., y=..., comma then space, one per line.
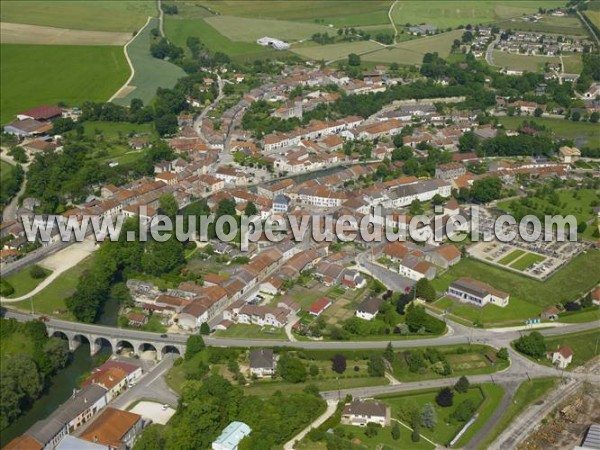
x=20, y=33
x=567, y=26
x=412, y=52
x=339, y=13
x=334, y=51
x=71, y=74
x=593, y=13
x=99, y=15
x=249, y=30
x=583, y=133
x=150, y=73
x=452, y=13
x=178, y=30
x=572, y=63
x=527, y=63
x=527, y=296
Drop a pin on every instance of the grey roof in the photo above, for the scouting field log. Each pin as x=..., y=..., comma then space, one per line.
x=592, y=438
x=46, y=429
x=261, y=358
x=73, y=443
x=281, y=199
x=370, y=305
x=365, y=408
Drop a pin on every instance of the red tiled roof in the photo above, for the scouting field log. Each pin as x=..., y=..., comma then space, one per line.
x=42, y=112
x=320, y=305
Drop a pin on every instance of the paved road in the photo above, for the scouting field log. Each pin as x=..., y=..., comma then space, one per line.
x=331, y=407
x=392, y=20
x=151, y=386
x=489, y=53
x=10, y=211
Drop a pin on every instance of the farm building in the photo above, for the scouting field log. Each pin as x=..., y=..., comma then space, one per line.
x=277, y=44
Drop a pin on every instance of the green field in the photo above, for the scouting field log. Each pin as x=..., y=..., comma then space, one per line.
x=383, y=439
x=412, y=52
x=565, y=129
x=51, y=300
x=570, y=25
x=491, y=315
x=594, y=16
x=452, y=13
x=568, y=283
x=338, y=13
x=527, y=260
x=511, y=257
x=585, y=345
x=529, y=63
x=150, y=73
x=249, y=30
x=23, y=282
x=527, y=393
x=486, y=396
x=80, y=15
x=33, y=75
x=573, y=63
x=334, y=51
x=178, y=30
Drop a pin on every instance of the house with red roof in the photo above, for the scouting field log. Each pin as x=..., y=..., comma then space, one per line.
x=319, y=306
x=46, y=112
x=561, y=357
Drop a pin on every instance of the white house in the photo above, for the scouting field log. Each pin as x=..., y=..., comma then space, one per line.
x=362, y=412
x=477, y=292
x=369, y=308
x=262, y=362
x=561, y=357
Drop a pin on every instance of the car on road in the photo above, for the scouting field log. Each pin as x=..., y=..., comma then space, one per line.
x=163, y=336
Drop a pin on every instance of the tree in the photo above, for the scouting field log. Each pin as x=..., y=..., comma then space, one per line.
x=166, y=124
x=194, y=345
x=503, y=354
x=462, y=385
x=464, y=411
x=468, y=142
x=445, y=397
x=425, y=290
x=167, y=205
x=151, y=439
x=594, y=117
x=353, y=59
x=396, y=431
x=205, y=329
x=428, y=416
x=338, y=363
x=486, y=190
x=291, y=369
x=576, y=116
x=160, y=258
x=531, y=344
x=415, y=436
x=250, y=209
x=37, y=272
x=313, y=370
x=376, y=366
x=538, y=112
x=388, y=354
x=415, y=207
x=372, y=429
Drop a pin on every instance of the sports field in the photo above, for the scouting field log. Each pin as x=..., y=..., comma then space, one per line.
x=335, y=51
x=411, y=52
x=339, y=12
x=178, y=30
x=150, y=73
x=452, y=13
x=47, y=74
x=101, y=15
x=548, y=24
x=249, y=30
x=527, y=63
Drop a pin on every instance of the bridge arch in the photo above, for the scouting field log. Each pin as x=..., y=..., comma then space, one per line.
x=147, y=347
x=101, y=342
x=61, y=335
x=124, y=345
x=170, y=349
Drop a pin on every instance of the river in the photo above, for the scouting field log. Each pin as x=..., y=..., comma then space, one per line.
x=58, y=391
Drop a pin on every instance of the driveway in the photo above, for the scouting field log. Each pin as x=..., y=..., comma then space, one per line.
x=331, y=406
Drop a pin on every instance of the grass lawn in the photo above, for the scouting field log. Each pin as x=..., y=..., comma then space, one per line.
x=150, y=73
x=493, y=394
x=445, y=430
x=573, y=63
x=528, y=392
x=51, y=300
x=585, y=132
x=241, y=331
x=7, y=180
x=581, y=316
x=529, y=63
x=71, y=74
x=383, y=438
x=594, y=16
x=23, y=282
x=249, y=30
x=16, y=343
x=471, y=362
x=116, y=130
x=101, y=15
x=412, y=52
x=452, y=13
x=178, y=30
x=267, y=387
x=569, y=282
x=338, y=13
x=585, y=345
x=527, y=260
x=511, y=257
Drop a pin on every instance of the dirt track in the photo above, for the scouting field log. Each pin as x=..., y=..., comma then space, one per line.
x=18, y=33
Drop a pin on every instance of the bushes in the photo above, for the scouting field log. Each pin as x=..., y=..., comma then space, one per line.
x=532, y=345
x=445, y=397
x=36, y=272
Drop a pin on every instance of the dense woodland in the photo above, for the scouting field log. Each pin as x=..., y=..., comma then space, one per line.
x=29, y=358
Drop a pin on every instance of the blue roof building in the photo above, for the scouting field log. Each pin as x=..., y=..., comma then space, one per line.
x=231, y=436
